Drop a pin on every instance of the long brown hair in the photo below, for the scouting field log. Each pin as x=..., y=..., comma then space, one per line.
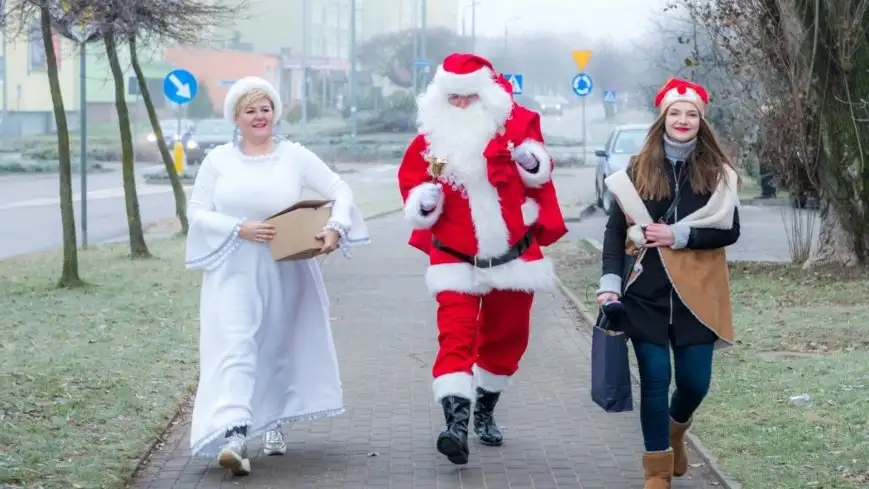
x=706, y=165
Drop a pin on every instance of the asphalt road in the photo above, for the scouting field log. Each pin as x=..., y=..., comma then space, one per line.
x=30, y=216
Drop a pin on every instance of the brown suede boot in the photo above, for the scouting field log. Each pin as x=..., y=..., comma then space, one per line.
x=659, y=469
x=677, y=441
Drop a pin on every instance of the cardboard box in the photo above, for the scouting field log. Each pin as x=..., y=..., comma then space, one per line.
x=295, y=228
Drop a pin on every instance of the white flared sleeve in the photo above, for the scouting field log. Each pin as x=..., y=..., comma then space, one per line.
x=346, y=217
x=212, y=236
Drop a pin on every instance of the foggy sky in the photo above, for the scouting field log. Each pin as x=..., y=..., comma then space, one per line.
x=600, y=19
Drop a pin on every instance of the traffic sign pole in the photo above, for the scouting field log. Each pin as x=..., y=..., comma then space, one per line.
x=584, y=134
x=582, y=86
x=180, y=87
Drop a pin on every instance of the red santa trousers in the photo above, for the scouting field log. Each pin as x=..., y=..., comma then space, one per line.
x=481, y=339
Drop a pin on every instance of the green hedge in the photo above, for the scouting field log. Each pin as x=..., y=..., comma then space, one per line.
x=188, y=175
x=101, y=152
x=44, y=166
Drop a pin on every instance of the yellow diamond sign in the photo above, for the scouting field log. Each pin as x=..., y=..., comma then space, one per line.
x=581, y=58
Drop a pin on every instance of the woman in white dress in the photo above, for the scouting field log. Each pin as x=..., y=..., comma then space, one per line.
x=266, y=352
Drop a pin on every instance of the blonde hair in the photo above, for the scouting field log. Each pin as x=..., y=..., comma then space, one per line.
x=251, y=97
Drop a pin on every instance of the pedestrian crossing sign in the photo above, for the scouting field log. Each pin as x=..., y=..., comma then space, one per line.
x=609, y=96
x=516, y=81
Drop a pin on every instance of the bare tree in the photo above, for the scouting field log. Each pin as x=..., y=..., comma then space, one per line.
x=17, y=21
x=809, y=55
x=138, y=246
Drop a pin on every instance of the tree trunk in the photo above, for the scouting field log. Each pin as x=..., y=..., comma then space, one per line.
x=138, y=247
x=177, y=188
x=834, y=245
x=69, y=276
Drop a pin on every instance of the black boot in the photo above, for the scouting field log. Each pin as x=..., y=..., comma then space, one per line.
x=453, y=442
x=484, y=418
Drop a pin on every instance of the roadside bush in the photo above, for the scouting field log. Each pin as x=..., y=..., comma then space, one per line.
x=45, y=166
x=295, y=114
x=96, y=152
x=188, y=175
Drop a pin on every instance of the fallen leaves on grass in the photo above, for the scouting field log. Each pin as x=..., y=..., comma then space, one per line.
x=90, y=376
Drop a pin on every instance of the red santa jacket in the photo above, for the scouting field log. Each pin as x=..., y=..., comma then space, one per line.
x=541, y=210
x=484, y=217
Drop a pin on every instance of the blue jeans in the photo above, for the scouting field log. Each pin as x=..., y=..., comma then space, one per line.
x=693, y=367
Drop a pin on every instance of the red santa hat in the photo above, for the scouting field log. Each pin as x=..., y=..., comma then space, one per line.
x=676, y=90
x=465, y=74
x=244, y=86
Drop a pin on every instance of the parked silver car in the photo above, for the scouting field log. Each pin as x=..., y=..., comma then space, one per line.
x=624, y=142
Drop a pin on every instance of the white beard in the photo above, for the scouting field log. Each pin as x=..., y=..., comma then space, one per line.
x=460, y=136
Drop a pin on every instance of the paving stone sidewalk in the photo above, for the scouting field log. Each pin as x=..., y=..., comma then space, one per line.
x=383, y=322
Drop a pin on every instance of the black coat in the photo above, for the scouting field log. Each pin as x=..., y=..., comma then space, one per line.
x=654, y=311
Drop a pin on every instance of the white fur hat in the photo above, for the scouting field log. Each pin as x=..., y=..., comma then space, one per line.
x=244, y=86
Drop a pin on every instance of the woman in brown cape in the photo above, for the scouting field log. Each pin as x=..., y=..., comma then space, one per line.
x=677, y=212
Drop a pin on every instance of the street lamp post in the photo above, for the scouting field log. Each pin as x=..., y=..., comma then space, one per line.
x=306, y=41
x=353, y=80
x=423, y=48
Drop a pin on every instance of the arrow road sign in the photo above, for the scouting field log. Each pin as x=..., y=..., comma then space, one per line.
x=517, y=80
x=582, y=84
x=180, y=86
x=609, y=96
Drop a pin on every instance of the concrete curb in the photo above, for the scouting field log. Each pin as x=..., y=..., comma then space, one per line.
x=586, y=211
x=694, y=442
x=158, y=441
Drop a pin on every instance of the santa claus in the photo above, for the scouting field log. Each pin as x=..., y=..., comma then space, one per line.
x=465, y=178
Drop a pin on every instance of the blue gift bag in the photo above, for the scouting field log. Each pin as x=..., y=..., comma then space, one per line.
x=610, y=372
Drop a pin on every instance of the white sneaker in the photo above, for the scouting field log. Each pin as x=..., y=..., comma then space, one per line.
x=273, y=442
x=233, y=455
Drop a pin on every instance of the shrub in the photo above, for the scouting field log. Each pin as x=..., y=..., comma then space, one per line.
x=295, y=114
x=96, y=152
x=188, y=175
x=45, y=166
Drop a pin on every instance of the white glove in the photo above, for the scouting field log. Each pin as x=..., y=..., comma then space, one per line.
x=523, y=156
x=430, y=196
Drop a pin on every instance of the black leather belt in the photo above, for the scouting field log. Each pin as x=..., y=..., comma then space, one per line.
x=513, y=253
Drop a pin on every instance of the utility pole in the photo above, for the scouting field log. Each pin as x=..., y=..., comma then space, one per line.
x=474, y=26
x=423, y=47
x=306, y=43
x=4, y=126
x=353, y=81
x=415, y=68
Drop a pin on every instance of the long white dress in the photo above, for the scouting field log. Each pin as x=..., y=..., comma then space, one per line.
x=266, y=350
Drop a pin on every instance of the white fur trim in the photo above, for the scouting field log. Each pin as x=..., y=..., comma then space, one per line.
x=459, y=384
x=690, y=95
x=526, y=276
x=716, y=214
x=245, y=85
x=471, y=83
x=544, y=171
x=636, y=234
x=493, y=239
x=488, y=381
x=413, y=208
x=530, y=211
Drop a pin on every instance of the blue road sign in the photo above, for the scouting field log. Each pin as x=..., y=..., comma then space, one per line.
x=582, y=84
x=421, y=62
x=180, y=86
x=517, y=81
x=609, y=96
